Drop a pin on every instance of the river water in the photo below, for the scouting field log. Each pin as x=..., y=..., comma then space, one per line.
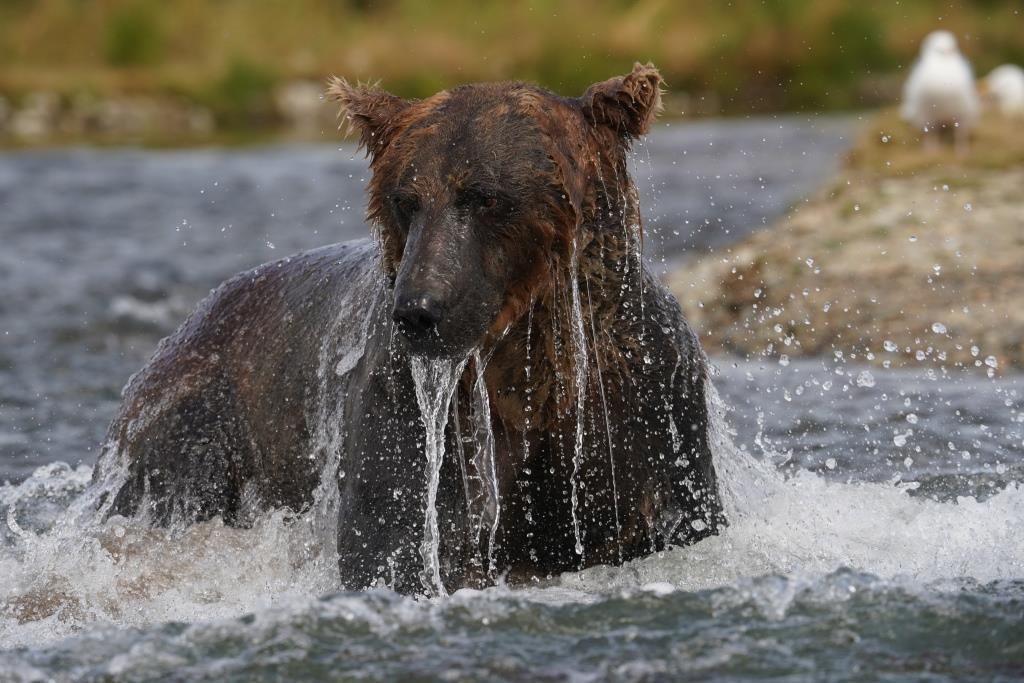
x=875, y=515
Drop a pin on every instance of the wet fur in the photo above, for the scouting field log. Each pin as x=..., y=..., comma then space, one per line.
x=227, y=419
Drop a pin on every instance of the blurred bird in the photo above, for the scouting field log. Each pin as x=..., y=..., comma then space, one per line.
x=940, y=92
x=1004, y=88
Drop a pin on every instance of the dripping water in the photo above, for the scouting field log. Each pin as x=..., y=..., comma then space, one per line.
x=607, y=424
x=484, y=460
x=528, y=409
x=339, y=356
x=580, y=366
x=435, y=385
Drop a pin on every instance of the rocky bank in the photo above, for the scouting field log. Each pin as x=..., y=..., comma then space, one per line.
x=911, y=257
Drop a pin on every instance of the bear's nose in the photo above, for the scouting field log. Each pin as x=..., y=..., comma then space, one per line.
x=418, y=315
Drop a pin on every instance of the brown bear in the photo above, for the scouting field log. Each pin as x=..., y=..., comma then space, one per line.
x=507, y=254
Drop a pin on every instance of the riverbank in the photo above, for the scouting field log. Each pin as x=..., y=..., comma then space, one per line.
x=909, y=257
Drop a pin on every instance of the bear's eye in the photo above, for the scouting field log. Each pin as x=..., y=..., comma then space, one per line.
x=405, y=205
x=484, y=201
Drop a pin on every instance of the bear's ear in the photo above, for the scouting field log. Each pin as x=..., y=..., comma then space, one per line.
x=369, y=109
x=627, y=104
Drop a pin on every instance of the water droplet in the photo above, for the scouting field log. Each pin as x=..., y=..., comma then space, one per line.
x=912, y=418
x=830, y=463
x=938, y=328
x=890, y=346
x=865, y=379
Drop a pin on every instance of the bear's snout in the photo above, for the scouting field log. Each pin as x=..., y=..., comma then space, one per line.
x=418, y=315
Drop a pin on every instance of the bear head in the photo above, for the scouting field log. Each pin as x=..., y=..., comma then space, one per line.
x=480, y=194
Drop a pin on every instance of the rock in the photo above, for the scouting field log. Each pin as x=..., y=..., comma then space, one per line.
x=37, y=117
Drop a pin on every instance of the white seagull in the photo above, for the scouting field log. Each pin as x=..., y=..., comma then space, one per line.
x=940, y=92
x=1004, y=86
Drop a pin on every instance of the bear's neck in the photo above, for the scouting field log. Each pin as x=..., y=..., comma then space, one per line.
x=586, y=320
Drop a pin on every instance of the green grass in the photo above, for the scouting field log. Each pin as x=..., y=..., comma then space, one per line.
x=243, y=95
x=132, y=36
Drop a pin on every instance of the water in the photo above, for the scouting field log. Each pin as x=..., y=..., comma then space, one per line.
x=485, y=465
x=435, y=384
x=579, y=366
x=874, y=518
x=846, y=572
x=706, y=184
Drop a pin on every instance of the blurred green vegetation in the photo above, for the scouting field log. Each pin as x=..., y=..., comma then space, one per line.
x=243, y=95
x=132, y=36
x=740, y=56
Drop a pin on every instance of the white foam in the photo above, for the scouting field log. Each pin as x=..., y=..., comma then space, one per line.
x=85, y=571
x=61, y=580
x=808, y=526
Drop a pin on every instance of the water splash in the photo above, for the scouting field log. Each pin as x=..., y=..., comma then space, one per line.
x=806, y=526
x=66, y=564
x=339, y=356
x=435, y=382
x=791, y=531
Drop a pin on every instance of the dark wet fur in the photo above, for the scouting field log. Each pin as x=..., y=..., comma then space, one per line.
x=223, y=421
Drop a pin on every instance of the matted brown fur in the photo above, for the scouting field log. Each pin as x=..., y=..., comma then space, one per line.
x=590, y=196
